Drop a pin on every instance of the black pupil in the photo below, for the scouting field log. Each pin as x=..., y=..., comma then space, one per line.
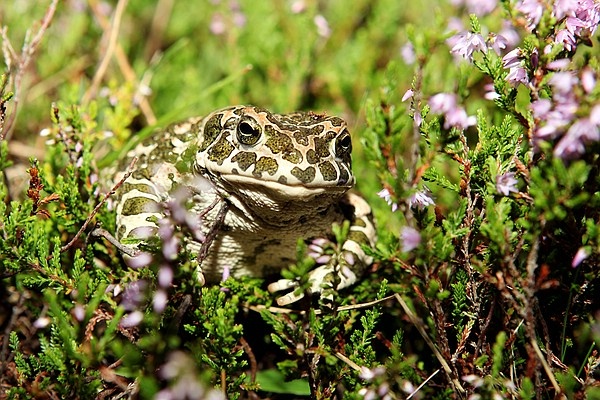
x=344, y=144
x=247, y=129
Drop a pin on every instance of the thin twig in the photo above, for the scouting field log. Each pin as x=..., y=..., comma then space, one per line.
x=108, y=54
x=214, y=230
x=348, y=361
x=546, y=366
x=281, y=310
x=99, y=205
x=419, y=325
x=251, y=359
x=422, y=384
x=26, y=57
x=103, y=233
x=125, y=66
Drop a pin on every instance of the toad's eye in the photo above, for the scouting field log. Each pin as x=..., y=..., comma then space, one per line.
x=343, y=146
x=248, y=131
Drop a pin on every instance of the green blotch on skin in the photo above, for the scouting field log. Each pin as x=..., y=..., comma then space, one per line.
x=220, y=151
x=358, y=237
x=322, y=147
x=128, y=187
x=212, y=129
x=265, y=164
x=312, y=157
x=328, y=171
x=244, y=159
x=304, y=176
x=138, y=205
x=279, y=142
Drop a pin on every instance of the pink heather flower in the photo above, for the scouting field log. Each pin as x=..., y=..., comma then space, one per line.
x=134, y=295
x=408, y=94
x=421, y=199
x=217, y=25
x=517, y=75
x=513, y=58
x=368, y=374
x=418, y=118
x=466, y=43
x=165, y=276
x=170, y=242
x=554, y=119
x=78, y=312
x=563, y=8
x=511, y=35
x=567, y=39
x=575, y=25
x=239, y=19
x=477, y=7
x=458, y=118
x=159, y=301
x=408, y=54
x=316, y=250
x=541, y=108
x=410, y=238
x=481, y=7
x=569, y=147
x=323, y=28
x=588, y=80
x=140, y=260
x=563, y=82
x=454, y=115
x=581, y=255
x=42, y=322
x=559, y=65
x=132, y=319
x=573, y=142
x=497, y=43
x=490, y=92
x=506, y=183
x=226, y=273
x=298, y=6
x=442, y=103
x=595, y=114
x=386, y=195
x=533, y=10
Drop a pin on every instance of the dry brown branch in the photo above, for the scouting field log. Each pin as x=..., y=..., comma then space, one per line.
x=29, y=49
x=124, y=65
x=99, y=205
x=108, y=54
x=451, y=375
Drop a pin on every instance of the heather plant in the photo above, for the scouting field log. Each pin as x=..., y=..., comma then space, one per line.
x=476, y=127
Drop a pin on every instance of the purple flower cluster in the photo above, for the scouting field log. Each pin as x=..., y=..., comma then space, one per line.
x=465, y=44
x=477, y=7
x=455, y=115
x=581, y=18
x=176, y=214
x=220, y=23
x=557, y=118
x=515, y=63
x=421, y=199
x=184, y=381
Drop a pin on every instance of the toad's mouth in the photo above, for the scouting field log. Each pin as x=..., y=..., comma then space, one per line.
x=288, y=190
